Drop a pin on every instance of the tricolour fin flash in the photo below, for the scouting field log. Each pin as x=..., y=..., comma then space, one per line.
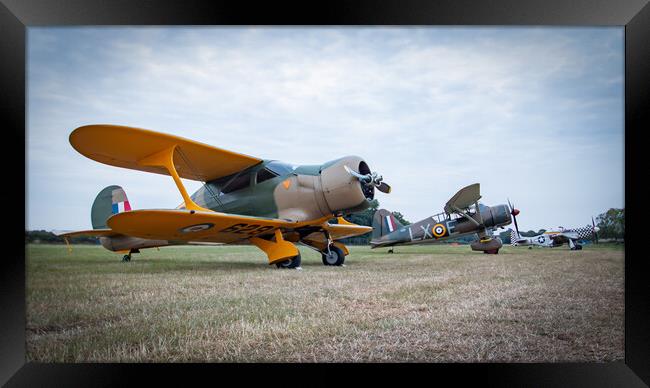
x=111, y=200
x=383, y=223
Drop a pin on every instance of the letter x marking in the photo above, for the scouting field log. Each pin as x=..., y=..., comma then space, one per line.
x=426, y=232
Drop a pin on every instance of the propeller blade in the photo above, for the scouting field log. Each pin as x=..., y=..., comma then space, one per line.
x=514, y=213
x=593, y=230
x=384, y=188
x=362, y=178
x=370, y=179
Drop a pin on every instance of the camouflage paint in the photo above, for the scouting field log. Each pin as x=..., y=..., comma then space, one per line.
x=441, y=227
x=307, y=192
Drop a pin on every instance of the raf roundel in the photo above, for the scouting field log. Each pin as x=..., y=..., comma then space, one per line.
x=439, y=230
x=195, y=228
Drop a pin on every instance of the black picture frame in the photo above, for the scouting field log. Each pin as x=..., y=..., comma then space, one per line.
x=16, y=16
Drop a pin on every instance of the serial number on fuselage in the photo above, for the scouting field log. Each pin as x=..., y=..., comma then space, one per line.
x=247, y=229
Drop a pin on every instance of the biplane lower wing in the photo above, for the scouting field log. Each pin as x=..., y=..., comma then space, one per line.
x=90, y=232
x=189, y=225
x=184, y=225
x=215, y=227
x=338, y=231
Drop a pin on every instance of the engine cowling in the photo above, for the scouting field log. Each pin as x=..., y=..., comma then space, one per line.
x=343, y=192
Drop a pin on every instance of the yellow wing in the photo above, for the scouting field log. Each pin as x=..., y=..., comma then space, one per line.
x=184, y=225
x=126, y=147
x=338, y=231
x=90, y=232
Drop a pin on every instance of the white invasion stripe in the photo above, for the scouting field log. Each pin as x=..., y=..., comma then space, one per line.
x=390, y=224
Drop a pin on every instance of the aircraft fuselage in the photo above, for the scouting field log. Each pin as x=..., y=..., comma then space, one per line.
x=442, y=226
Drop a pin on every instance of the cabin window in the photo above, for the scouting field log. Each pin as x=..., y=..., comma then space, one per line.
x=280, y=168
x=265, y=175
x=240, y=182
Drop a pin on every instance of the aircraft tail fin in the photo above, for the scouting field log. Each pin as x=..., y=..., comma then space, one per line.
x=111, y=200
x=383, y=223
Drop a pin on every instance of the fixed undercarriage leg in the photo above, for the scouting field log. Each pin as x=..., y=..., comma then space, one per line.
x=127, y=257
x=333, y=254
x=280, y=252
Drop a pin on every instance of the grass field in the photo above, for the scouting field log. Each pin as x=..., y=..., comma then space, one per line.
x=423, y=303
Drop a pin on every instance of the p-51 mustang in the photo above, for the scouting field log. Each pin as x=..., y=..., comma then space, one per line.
x=244, y=199
x=556, y=238
x=462, y=215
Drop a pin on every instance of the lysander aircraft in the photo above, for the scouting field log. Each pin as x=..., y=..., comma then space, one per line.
x=267, y=203
x=557, y=238
x=462, y=215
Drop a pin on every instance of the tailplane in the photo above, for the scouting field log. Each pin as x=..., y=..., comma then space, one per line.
x=111, y=200
x=383, y=223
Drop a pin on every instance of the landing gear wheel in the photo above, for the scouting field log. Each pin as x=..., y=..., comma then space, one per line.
x=578, y=247
x=390, y=250
x=334, y=257
x=291, y=263
x=492, y=251
x=126, y=258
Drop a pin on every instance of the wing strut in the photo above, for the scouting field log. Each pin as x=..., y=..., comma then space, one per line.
x=462, y=213
x=165, y=158
x=67, y=243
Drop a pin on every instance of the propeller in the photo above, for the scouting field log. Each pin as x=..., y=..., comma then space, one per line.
x=372, y=178
x=514, y=213
x=594, y=230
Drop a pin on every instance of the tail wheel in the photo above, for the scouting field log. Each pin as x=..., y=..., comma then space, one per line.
x=294, y=262
x=335, y=256
x=126, y=257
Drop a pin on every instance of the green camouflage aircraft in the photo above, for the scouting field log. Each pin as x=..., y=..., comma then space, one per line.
x=463, y=215
x=244, y=200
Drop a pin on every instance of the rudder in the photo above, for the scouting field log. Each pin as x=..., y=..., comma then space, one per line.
x=384, y=222
x=111, y=200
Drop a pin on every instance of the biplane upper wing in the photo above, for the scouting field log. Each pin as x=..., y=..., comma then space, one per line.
x=128, y=147
x=464, y=198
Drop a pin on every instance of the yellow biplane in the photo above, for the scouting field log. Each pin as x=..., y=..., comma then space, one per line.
x=270, y=204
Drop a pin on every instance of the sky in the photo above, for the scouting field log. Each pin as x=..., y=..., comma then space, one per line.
x=535, y=115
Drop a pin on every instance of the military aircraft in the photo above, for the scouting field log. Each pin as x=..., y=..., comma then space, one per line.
x=556, y=238
x=462, y=215
x=270, y=204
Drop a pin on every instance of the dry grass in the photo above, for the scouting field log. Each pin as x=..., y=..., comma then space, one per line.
x=427, y=303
